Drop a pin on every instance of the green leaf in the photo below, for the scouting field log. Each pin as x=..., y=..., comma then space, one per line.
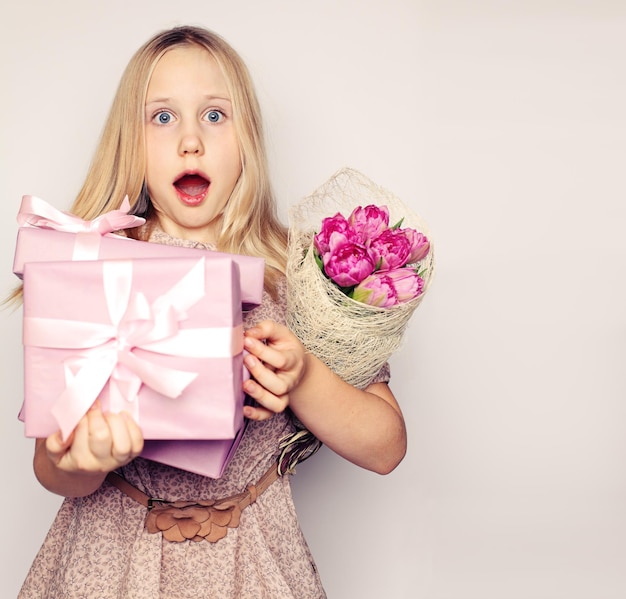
x=398, y=224
x=347, y=290
x=318, y=261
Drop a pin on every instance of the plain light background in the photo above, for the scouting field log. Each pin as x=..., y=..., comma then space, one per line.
x=503, y=124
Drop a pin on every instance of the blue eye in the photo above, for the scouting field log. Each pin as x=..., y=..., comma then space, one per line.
x=163, y=118
x=214, y=116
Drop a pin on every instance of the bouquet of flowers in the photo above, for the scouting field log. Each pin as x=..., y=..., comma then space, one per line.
x=354, y=281
x=368, y=260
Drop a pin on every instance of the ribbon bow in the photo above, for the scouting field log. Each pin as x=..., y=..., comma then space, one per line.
x=35, y=212
x=106, y=351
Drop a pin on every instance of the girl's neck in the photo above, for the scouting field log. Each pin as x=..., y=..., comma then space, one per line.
x=199, y=236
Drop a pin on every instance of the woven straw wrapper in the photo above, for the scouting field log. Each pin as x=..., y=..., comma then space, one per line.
x=353, y=339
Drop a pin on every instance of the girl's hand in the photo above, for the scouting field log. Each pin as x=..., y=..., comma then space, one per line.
x=277, y=365
x=100, y=443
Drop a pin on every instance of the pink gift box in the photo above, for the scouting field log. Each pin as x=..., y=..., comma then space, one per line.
x=68, y=237
x=160, y=338
x=208, y=458
x=47, y=245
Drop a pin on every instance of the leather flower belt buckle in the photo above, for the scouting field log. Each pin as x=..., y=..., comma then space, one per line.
x=181, y=521
x=189, y=520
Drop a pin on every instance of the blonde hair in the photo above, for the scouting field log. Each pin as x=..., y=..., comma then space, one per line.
x=249, y=223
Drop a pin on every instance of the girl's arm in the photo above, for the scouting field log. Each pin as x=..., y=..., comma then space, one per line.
x=99, y=444
x=365, y=427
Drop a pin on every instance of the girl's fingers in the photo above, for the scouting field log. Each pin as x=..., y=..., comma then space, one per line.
x=120, y=446
x=81, y=436
x=136, y=435
x=57, y=447
x=69, y=454
x=268, y=400
x=275, y=382
x=266, y=329
x=266, y=353
x=99, y=443
x=257, y=413
x=126, y=437
x=99, y=435
x=267, y=335
x=276, y=362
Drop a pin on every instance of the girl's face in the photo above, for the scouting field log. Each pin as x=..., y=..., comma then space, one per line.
x=192, y=154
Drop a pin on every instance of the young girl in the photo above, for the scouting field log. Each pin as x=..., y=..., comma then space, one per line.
x=184, y=141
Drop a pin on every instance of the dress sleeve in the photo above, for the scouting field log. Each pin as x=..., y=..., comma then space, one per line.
x=384, y=374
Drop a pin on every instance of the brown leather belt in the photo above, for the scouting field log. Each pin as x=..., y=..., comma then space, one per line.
x=194, y=520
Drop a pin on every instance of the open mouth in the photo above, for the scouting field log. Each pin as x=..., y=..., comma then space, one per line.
x=192, y=188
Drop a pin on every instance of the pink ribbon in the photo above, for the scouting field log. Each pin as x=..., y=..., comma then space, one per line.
x=35, y=212
x=106, y=350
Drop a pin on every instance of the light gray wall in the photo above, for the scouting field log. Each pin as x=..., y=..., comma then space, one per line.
x=503, y=124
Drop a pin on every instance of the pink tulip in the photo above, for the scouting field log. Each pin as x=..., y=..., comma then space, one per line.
x=391, y=249
x=335, y=227
x=407, y=282
x=369, y=222
x=348, y=264
x=420, y=246
x=389, y=288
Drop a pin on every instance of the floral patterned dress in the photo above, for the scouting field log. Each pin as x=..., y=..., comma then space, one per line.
x=98, y=548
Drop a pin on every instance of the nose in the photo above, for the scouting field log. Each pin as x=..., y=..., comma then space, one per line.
x=191, y=143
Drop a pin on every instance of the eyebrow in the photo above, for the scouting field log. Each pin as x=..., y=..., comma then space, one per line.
x=166, y=100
